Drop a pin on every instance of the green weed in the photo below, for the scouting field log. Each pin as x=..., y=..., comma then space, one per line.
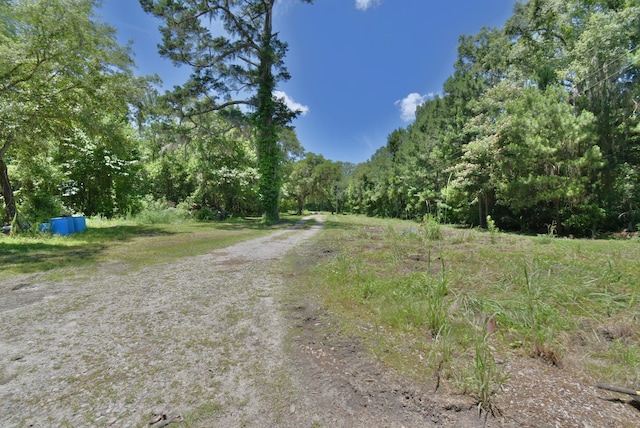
x=437, y=305
x=431, y=228
x=391, y=289
x=485, y=379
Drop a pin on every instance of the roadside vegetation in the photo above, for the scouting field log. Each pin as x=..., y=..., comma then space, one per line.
x=452, y=305
x=156, y=235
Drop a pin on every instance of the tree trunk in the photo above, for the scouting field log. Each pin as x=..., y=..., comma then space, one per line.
x=480, y=222
x=300, y=205
x=5, y=186
x=268, y=150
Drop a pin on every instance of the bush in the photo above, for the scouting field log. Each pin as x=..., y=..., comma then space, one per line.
x=205, y=213
x=39, y=207
x=160, y=212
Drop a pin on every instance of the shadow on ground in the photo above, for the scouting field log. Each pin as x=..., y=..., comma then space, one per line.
x=21, y=255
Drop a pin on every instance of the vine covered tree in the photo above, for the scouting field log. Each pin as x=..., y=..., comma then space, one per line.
x=236, y=59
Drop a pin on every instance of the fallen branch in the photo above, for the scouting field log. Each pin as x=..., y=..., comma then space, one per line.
x=162, y=419
x=619, y=389
x=632, y=392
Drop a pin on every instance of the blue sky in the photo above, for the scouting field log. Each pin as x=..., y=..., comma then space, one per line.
x=359, y=67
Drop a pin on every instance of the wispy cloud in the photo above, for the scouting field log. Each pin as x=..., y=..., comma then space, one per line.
x=291, y=103
x=410, y=103
x=366, y=4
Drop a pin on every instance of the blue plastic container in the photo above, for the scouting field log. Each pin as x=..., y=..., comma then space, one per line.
x=79, y=224
x=71, y=225
x=60, y=225
x=44, y=227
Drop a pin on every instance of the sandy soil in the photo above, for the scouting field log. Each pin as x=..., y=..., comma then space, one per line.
x=209, y=341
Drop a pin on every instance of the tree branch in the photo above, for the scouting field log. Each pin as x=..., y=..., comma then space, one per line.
x=218, y=107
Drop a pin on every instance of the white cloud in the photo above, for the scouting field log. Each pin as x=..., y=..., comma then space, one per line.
x=366, y=4
x=291, y=103
x=410, y=103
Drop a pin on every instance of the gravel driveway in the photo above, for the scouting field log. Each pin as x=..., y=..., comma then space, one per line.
x=197, y=341
x=206, y=341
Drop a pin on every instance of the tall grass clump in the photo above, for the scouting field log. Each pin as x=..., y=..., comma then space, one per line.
x=492, y=228
x=441, y=352
x=484, y=378
x=431, y=228
x=437, y=305
x=540, y=319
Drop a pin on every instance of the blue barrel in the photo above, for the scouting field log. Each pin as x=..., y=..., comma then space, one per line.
x=71, y=225
x=79, y=223
x=59, y=225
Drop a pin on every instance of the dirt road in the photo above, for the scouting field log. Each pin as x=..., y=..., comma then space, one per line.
x=204, y=341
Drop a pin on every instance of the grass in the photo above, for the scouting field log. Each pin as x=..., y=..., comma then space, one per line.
x=131, y=244
x=426, y=298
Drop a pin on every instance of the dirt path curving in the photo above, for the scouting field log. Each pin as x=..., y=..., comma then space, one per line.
x=200, y=342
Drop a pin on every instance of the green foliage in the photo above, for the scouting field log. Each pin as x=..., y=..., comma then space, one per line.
x=248, y=58
x=541, y=318
x=205, y=213
x=39, y=206
x=159, y=212
x=431, y=227
x=100, y=175
x=437, y=305
x=484, y=378
x=491, y=226
x=37, y=182
x=537, y=124
x=586, y=221
x=60, y=70
x=317, y=184
x=169, y=177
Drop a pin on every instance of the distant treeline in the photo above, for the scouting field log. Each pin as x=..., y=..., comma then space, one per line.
x=538, y=127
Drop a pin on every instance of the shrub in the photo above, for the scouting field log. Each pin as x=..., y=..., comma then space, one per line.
x=160, y=212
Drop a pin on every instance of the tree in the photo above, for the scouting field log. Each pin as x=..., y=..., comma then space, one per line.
x=606, y=82
x=244, y=57
x=301, y=184
x=101, y=173
x=588, y=47
x=326, y=177
x=59, y=68
x=531, y=155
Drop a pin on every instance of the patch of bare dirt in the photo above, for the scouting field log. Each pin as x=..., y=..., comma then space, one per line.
x=347, y=388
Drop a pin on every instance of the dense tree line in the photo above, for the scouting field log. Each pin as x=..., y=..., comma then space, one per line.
x=79, y=133
x=538, y=127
